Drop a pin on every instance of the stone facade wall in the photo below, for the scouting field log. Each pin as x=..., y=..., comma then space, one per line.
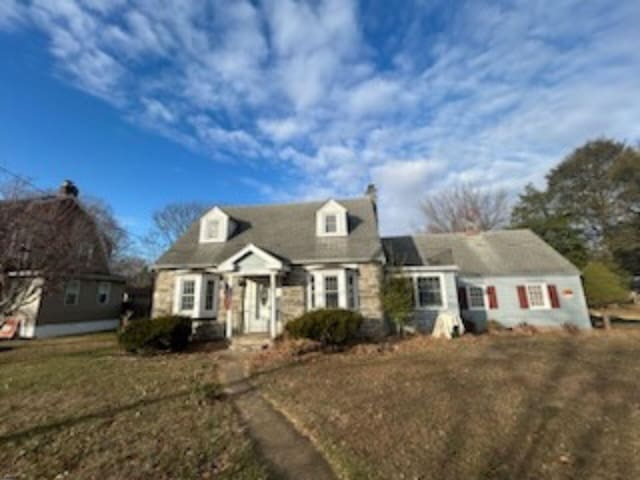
x=370, y=285
x=163, y=293
x=292, y=303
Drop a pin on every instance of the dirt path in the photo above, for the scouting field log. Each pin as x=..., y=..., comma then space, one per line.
x=290, y=454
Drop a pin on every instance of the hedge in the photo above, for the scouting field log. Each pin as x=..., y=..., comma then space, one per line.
x=170, y=333
x=327, y=326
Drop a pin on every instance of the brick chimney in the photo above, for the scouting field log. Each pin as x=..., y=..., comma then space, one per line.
x=68, y=189
x=372, y=193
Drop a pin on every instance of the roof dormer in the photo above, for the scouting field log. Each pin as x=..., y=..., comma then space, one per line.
x=215, y=226
x=331, y=220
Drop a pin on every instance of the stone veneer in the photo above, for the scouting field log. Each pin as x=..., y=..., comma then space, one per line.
x=163, y=293
x=291, y=302
x=369, y=285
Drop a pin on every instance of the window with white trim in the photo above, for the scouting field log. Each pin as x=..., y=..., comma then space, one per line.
x=428, y=291
x=352, y=290
x=187, y=295
x=331, y=220
x=72, y=293
x=312, y=292
x=475, y=296
x=330, y=223
x=215, y=226
x=334, y=288
x=213, y=229
x=537, y=296
x=331, y=292
x=104, y=293
x=209, y=294
x=196, y=295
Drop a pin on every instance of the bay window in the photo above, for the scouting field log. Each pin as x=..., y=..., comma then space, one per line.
x=331, y=292
x=196, y=295
x=333, y=289
x=188, y=295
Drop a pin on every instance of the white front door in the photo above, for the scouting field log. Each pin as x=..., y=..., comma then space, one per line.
x=257, y=306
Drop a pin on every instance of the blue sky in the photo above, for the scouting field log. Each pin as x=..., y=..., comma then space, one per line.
x=148, y=102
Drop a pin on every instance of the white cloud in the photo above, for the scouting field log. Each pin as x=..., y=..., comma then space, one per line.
x=344, y=94
x=10, y=13
x=401, y=184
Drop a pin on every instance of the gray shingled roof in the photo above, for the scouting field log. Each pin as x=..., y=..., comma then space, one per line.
x=286, y=231
x=504, y=252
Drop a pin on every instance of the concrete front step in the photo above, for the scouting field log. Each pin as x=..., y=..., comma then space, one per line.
x=250, y=343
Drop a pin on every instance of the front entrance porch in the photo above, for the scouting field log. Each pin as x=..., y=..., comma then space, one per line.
x=252, y=277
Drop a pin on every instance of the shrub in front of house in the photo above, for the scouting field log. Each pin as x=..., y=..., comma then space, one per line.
x=327, y=326
x=163, y=334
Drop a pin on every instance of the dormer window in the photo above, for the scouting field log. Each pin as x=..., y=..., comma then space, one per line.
x=215, y=226
x=213, y=229
x=331, y=220
x=330, y=224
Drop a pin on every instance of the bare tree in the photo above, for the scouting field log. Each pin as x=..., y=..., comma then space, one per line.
x=116, y=237
x=463, y=208
x=170, y=223
x=44, y=242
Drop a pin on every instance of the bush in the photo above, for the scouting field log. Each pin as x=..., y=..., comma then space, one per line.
x=161, y=334
x=603, y=286
x=397, y=301
x=328, y=326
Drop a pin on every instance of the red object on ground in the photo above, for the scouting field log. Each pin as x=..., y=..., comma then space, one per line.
x=9, y=328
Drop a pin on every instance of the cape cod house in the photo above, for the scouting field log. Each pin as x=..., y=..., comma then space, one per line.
x=249, y=270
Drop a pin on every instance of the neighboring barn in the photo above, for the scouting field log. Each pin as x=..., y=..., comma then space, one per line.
x=54, y=270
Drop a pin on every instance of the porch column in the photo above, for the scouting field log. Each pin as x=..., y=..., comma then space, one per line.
x=229, y=307
x=274, y=310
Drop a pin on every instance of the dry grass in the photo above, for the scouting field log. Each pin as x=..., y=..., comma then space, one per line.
x=545, y=406
x=78, y=408
x=628, y=312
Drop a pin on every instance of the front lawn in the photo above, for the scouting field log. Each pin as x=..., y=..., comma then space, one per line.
x=548, y=406
x=79, y=408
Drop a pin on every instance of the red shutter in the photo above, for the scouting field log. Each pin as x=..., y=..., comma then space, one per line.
x=522, y=296
x=553, y=296
x=462, y=298
x=493, y=297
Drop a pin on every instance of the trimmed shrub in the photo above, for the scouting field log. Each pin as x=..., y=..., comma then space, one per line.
x=161, y=334
x=327, y=326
